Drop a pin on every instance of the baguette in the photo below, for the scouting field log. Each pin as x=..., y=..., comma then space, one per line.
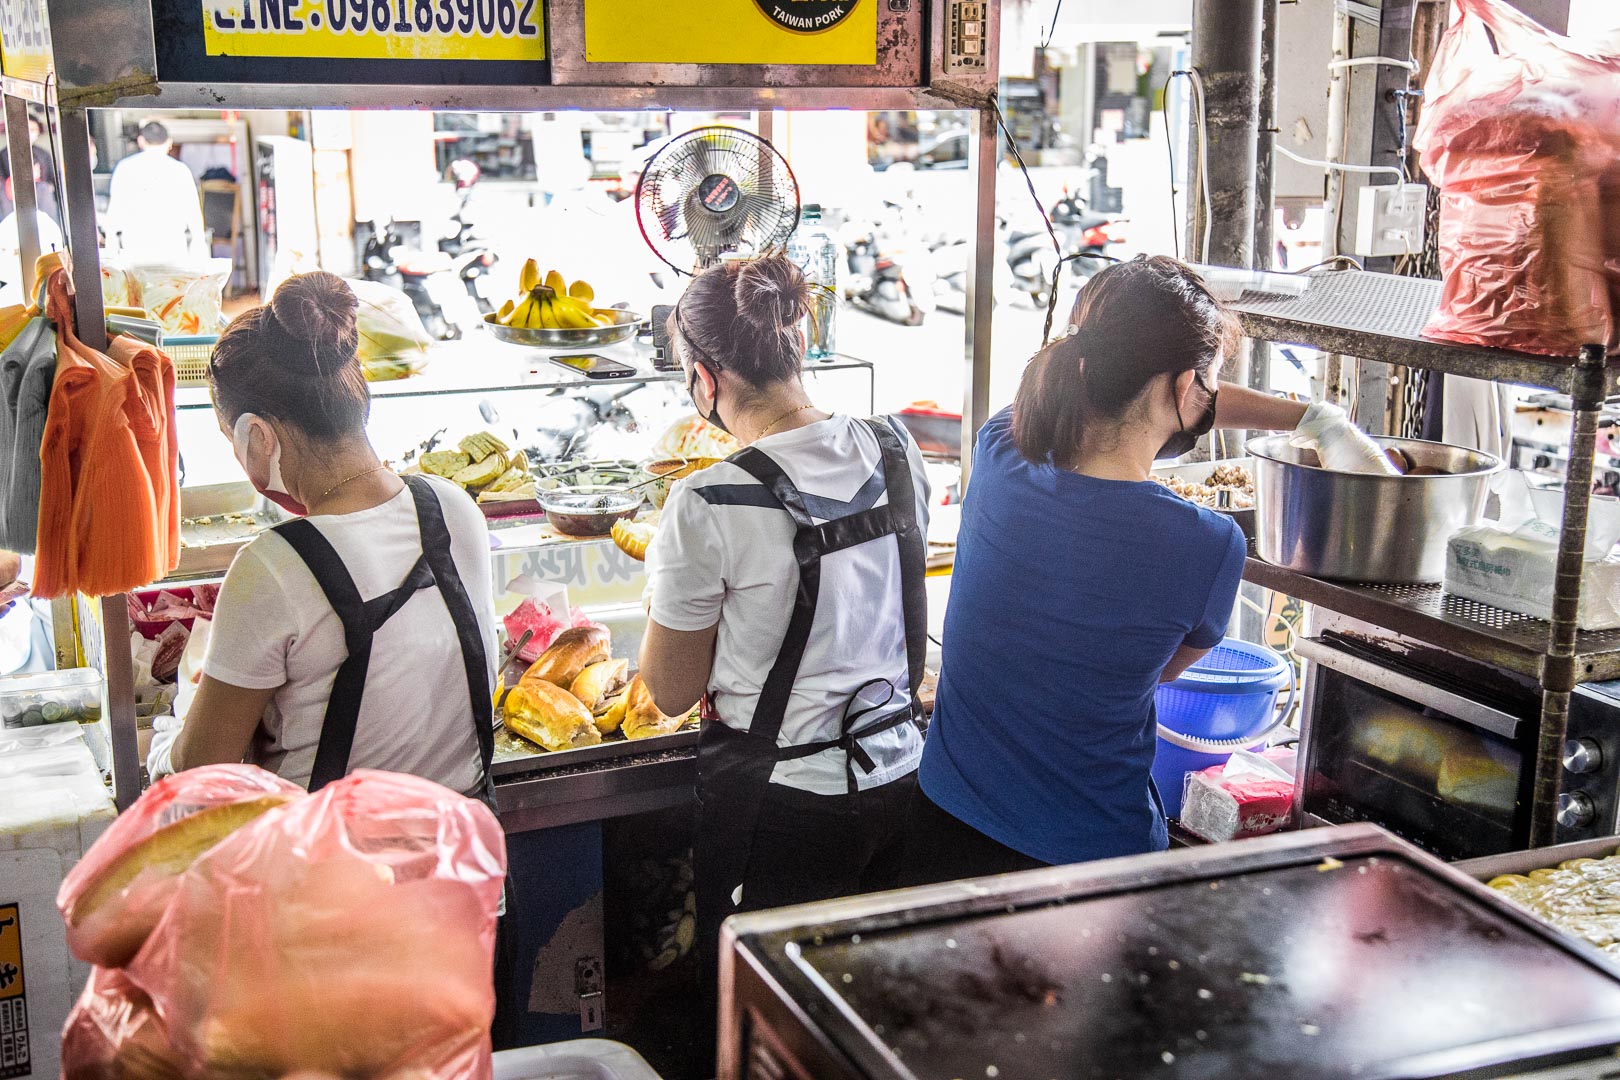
x=613, y=719
x=571, y=652
x=549, y=716
x=596, y=685
x=642, y=720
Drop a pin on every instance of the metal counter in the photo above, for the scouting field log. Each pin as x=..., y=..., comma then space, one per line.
x=1328, y=953
x=543, y=791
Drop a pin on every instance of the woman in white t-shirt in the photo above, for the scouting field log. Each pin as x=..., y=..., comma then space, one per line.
x=360, y=634
x=786, y=591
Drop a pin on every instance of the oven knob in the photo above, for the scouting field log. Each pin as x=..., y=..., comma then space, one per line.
x=1575, y=810
x=1582, y=756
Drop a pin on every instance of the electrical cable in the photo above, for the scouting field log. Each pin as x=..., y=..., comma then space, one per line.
x=1056, y=11
x=1368, y=170
x=1197, y=100
x=1170, y=152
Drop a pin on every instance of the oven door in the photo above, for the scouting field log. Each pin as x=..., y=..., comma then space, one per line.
x=1449, y=773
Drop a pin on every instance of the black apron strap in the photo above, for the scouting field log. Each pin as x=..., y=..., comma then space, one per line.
x=437, y=551
x=348, y=689
x=908, y=533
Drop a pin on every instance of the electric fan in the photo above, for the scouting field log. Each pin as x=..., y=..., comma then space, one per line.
x=715, y=190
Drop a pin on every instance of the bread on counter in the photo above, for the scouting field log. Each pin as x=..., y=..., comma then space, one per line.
x=599, y=682
x=571, y=652
x=545, y=713
x=642, y=720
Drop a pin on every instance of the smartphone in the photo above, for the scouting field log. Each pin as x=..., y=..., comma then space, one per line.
x=594, y=366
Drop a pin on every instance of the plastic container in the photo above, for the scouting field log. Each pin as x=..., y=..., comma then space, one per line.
x=578, y=1059
x=1225, y=702
x=50, y=697
x=817, y=252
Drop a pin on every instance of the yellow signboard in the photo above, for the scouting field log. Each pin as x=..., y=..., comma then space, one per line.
x=731, y=31
x=25, y=40
x=376, y=29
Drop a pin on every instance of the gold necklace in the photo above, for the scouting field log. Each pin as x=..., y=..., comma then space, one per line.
x=768, y=428
x=340, y=483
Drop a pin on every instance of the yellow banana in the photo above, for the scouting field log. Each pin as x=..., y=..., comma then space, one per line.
x=529, y=277
x=519, y=315
x=582, y=291
x=554, y=281
x=506, y=310
x=537, y=314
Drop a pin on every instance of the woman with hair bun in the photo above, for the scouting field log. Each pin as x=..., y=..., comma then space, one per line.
x=360, y=634
x=786, y=591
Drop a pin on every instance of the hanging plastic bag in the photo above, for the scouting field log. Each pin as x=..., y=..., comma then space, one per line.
x=188, y=301
x=1521, y=131
x=116, y=894
x=349, y=932
x=393, y=342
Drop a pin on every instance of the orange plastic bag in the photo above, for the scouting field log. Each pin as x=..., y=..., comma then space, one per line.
x=349, y=932
x=1521, y=131
x=116, y=894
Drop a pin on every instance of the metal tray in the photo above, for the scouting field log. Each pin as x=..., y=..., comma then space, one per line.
x=1522, y=862
x=1198, y=471
x=623, y=329
x=514, y=755
x=1329, y=953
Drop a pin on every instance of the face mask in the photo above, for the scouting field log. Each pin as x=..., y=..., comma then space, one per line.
x=276, y=489
x=714, y=408
x=1185, y=439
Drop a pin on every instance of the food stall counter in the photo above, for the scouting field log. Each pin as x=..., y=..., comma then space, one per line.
x=1327, y=953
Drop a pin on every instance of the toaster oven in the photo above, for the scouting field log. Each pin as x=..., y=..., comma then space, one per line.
x=1441, y=754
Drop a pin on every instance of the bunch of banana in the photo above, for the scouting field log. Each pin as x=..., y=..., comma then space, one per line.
x=551, y=303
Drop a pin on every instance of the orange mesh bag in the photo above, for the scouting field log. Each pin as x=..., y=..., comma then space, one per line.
x=1519, y=128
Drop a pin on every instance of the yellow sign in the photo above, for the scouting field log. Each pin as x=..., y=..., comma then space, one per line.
x=11, y=965
x=25, y=40
x=376, y=29
x=731, y=31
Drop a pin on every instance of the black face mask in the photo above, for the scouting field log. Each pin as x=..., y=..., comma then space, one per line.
x=714, y=410
x=1187, y=438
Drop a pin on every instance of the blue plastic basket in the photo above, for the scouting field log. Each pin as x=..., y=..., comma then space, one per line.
x=1229, y=695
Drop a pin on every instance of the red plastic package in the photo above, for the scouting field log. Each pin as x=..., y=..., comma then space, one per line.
x=1248, y=795
x=349, y=932
x=1521, y=132
x=113, y=1033
x=116, y=894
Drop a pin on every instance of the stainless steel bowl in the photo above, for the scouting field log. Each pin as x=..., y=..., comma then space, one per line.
x=623, y=329
x=1357, y=527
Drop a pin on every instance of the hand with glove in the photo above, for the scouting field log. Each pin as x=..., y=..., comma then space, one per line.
x=1340, y=445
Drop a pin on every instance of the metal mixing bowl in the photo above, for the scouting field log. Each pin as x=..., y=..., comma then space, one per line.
x=623, y=329
x=1358, y=527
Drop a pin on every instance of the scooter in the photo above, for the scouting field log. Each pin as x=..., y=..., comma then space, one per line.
x=445, y=289
x=1081, y=231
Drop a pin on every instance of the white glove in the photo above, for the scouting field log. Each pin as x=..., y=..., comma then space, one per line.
x=1341, y=445
x=165, y=730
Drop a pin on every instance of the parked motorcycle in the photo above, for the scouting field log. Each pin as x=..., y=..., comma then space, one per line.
x=1080, y=230
x=448, y=287
x=882, y=276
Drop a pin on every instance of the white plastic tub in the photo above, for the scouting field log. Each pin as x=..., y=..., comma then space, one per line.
x=578, y=1059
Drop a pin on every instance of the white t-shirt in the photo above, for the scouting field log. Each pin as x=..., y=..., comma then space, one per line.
x=274, y=629
x=731, y=563
x=152, y=203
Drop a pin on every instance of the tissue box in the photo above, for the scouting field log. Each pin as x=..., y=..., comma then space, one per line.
x=1514, y=571
x=1250, y=795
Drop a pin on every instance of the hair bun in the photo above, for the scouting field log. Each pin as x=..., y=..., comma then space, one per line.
x=771, y=293
x=318, y=309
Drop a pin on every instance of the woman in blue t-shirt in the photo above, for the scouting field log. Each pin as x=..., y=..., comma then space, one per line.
x=1080, y=585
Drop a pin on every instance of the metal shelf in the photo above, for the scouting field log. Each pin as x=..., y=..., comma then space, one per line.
x=1430, y=614
x=1382, y=317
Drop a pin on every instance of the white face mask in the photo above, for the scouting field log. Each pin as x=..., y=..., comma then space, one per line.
x=275, y=488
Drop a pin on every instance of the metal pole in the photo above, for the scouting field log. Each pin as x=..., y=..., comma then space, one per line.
x=1264, y=177
x=79, y=199
x=22, y=187
x=1338, y=90
x=120, y=675
x=1226, y=54
x=982, y=161
x=1559, y=675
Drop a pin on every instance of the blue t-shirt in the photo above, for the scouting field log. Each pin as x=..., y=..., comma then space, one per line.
x=1069, y=596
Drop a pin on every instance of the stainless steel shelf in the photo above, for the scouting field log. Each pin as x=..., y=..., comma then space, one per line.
x=1382, y=317
x=1430, y=614
x=482, y=365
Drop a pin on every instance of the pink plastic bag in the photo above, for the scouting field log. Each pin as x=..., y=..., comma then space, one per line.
x=350, y=932
x=1521, y=131
x=113, y=1033
x=110, y=913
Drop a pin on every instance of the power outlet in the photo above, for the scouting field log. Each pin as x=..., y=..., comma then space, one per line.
x=1390, y=219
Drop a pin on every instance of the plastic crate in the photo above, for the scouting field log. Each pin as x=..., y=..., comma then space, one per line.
x=190, y=356
x=577, y=1059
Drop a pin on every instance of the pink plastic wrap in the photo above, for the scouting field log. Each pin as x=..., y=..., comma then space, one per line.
x=113, y=1033
x=1521, y=131
x=349, y=932
x=107, y=927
